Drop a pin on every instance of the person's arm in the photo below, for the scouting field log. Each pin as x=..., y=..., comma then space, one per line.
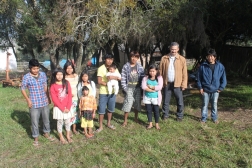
x=160, y=84
x=69, y=97
x=223, y=80
x=23, y=91
x=29, y=103
x=43, y=75
x=100, y=82
x=79, y=90
x=124, y=78
x=144, y=85
x=199, y=77
x=184, y=75
x=93, y=88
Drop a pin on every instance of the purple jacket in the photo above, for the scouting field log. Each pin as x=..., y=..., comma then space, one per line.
x=157, y=88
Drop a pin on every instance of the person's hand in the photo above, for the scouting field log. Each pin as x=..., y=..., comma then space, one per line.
x=72, y=95
x=182, y=88
x=79, y=114
x=218, y=91
x=93, y=115
x=201, y=91
x=66, y=111
x=29, y=103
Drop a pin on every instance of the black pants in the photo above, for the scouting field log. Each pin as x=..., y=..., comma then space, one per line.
x=167, y=92
x=149, y=109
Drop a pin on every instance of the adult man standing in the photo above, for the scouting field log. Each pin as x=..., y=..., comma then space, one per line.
x=211, y=81
x=174, y=72
x=38, y=99
x=106, y=101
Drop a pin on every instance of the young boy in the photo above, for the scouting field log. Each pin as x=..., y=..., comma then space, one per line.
x=87, y=107
x=132, y=74
x=38, y=99
x=113, y=83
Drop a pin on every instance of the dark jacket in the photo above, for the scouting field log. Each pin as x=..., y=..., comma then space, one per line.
x=211, y=81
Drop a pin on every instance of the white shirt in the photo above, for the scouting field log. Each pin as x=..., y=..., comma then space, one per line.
x=171, y=69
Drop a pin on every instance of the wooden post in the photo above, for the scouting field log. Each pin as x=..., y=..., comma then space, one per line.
x=7, y=67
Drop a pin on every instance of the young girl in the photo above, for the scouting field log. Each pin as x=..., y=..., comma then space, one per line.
x=84, y=81
x=61, y=94
x=87, y=107
x=72, y=78
x=152, y=85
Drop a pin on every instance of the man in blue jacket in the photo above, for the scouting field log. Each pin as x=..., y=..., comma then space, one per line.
x=211, y=81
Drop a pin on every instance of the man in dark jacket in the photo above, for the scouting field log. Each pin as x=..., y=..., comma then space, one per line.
x=211, y=81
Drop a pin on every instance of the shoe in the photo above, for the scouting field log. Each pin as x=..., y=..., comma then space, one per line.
x=69, y=140
x=216, y=122
x=111, y=127
x=98, y=130
x=179, y=119
x=35, y=143
x=49, y=137
x=202, y=122
x=63, y=142
x=164, y=118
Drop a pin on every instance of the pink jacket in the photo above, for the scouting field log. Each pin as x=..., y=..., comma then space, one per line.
x=157, y=88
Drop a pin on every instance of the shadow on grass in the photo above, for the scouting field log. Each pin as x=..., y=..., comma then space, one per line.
x=23, y=118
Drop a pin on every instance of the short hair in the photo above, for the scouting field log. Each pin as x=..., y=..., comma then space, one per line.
x=108, y=56
x=113, y=66
x=33, y=63
x=211, y=52
x=134, y=53
x=85, y=88
x=174, y=44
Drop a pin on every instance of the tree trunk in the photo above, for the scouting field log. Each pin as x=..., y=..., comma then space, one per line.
x=79, y=57
x=54, y=58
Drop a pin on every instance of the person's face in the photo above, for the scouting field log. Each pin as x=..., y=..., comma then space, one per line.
x=69, y=70
x=85, y=78
x=85, y=92
x=133, y=59
x=174, y=50
x=34, y=70
x=152, y=72
x=59, y=76
x=109, y=61
x=111, y=69
x=211, y=59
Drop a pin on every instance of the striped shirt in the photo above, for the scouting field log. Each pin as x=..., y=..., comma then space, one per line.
x=36, y=89
x=171, y=70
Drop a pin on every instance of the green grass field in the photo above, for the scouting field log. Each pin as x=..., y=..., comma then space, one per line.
x=177, y=144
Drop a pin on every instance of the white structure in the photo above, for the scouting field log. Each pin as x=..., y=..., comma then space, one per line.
x=12, y=59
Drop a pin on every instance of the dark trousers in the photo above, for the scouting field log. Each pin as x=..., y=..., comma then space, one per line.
x=149, y=109
x=167, y=92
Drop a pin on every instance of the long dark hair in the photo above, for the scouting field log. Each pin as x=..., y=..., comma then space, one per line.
x=82, y=74
x=153, y=66
x=64, y=81
x=69, y=63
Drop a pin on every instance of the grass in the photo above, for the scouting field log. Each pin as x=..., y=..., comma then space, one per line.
x=178, y=144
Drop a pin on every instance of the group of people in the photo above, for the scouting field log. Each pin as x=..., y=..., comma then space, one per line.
x=74, y=100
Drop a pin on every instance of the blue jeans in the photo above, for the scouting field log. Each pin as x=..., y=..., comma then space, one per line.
x=167, y=93
x=107, y=100
x=213, y=98
x=35, y=115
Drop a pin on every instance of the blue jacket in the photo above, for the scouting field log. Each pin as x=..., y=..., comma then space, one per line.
x=211, y=81
x=126, y=73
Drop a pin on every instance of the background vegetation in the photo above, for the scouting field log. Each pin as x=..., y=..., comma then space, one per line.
x=80, y=28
